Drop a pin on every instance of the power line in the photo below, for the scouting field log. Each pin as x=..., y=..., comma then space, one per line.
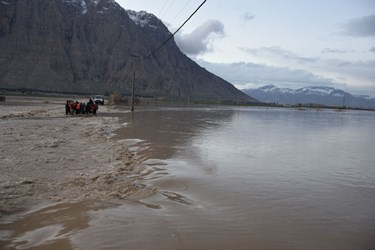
x=162, y=8
x=153, y=52
x=186, y=4
x=169, y=38
x=167, y=9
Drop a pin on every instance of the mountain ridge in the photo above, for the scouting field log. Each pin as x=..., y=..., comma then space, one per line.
x=319, y=95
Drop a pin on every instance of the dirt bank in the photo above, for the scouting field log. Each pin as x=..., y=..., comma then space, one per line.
x=47, y=156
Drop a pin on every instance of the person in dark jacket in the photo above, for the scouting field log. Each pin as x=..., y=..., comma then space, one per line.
x=67, y=108
x=91, y=102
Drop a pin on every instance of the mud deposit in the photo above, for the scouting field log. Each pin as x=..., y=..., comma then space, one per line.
x=49, y=159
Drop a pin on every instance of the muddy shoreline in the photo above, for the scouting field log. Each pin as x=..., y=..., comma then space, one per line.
x=48, y=157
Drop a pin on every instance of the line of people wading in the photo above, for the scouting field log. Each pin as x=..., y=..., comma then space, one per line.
x=76, y=108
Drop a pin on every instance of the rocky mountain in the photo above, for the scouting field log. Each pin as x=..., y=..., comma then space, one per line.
x=87, y=46
x=326, y=96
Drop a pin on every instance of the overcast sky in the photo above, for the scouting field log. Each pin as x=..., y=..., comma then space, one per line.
x=288, y=43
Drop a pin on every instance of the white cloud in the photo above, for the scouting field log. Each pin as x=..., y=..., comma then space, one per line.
x=199, y=40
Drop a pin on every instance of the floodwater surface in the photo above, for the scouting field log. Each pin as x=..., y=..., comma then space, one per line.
x=237, y=178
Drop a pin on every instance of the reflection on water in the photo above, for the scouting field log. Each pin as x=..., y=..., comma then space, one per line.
x=244, y=178
x=164, y=131
x=48, y=227
x=268, y=178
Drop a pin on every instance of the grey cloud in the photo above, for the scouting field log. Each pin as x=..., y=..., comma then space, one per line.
x=361, y=27
x=199, y=40
x=248, y=16
x=242, y=73
x=372, y=49
x=335, y=51
x=277, y=51
x=363, y=69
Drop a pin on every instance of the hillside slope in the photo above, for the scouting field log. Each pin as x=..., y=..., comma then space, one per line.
x=86, y=46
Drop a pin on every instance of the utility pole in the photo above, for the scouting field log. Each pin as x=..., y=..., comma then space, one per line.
x=134, y=57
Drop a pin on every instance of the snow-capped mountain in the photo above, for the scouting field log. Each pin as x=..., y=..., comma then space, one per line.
x=86, y=46
x=100, y=5
x=310, y=95
x=143, y=19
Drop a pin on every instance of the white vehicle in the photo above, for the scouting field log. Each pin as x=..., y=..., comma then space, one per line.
x=99, y=99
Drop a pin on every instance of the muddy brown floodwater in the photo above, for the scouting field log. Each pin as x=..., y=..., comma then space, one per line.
x=187, y=178
x=51, y=160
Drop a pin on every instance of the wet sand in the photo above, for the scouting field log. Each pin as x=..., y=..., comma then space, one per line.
x=57, y=169
x=48, y=157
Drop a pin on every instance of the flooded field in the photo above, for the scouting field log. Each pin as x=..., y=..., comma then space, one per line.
x=222, y=178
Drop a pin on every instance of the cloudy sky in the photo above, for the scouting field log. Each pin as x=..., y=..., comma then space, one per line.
x=289, y=43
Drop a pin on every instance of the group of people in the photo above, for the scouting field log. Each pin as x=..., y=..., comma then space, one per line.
x=75, y=107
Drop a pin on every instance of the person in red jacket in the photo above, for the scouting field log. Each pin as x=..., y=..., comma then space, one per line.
x=71, y=107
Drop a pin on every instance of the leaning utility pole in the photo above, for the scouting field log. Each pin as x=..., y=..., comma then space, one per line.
x=133, y=88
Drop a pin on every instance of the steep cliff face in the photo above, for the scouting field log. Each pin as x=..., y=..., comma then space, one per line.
x=86, y=46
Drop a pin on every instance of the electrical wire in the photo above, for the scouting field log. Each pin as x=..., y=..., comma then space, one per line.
x=165, y=12
x=162, y=8
x=169, y=38
x=178, y=13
